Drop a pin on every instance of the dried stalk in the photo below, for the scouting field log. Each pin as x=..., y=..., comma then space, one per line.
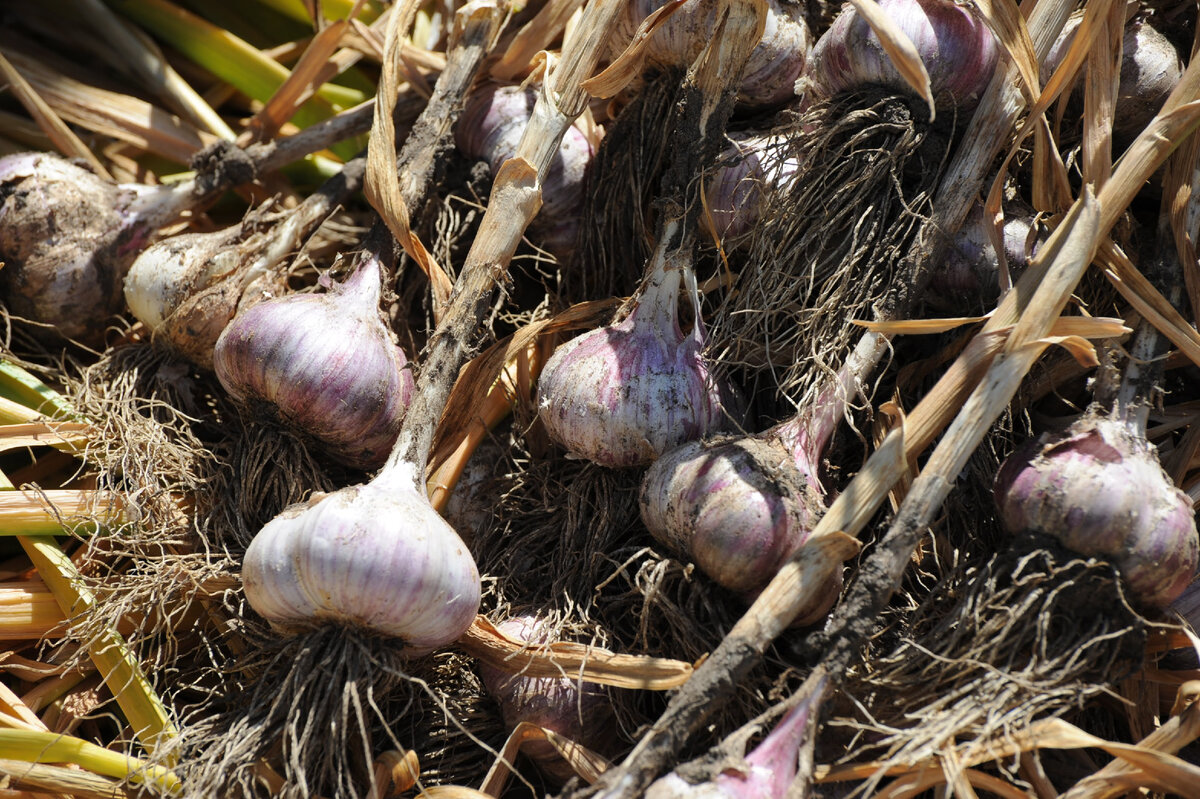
x=515, y=198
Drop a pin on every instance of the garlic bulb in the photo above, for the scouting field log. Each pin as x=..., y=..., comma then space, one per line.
x=958, y=50
x=1098, y=488
x=187, y=288
x=624, y=394
x=766, y=773
x=746, y=166
x=171, y=270
x=491, y=127
x=579, y=711
x=739, y=507
x=1150, y=69
x=969, y=275
x=67, y=238
x=374, y=556
x=325, y=364
x=774, y=64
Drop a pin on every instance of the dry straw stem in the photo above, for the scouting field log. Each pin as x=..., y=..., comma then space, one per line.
x=33, y=746
x=312, y=71
x=124, y=118
x=27, y=611
x=118, y=666
x=131, y=52
x=1149, y=763
x=16, y=713
x=46, y=512
x=41, y=778
x=396, y=184
x=515, y=198
x=586, y=763
x=534, y=36
x=63, y=137
x=69, y=437
x=571, y=660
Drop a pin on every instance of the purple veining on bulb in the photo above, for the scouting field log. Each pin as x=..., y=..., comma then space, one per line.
x=957, y=48
x=491, y=126
x=326, y=363
x=740, y=507
x=622, y=395
x=1099, y=490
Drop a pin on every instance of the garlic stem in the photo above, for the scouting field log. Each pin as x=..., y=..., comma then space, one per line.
x=514, y=200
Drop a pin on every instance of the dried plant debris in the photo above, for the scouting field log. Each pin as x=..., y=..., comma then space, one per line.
x=1000, y=641
x=827, y=250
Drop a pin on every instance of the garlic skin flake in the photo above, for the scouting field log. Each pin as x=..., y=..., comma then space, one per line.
x=375, y=556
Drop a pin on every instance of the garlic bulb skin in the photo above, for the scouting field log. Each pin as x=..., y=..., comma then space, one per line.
x=772, y=68
x=375, y=556
x=746, y=165
x=968, y=278
x=170, y=271
x=1100, y=491
x=66, y=239
x=737, y=507
x=1150, y=69
x=957, y=48
x=325, y=364
x=622, y=395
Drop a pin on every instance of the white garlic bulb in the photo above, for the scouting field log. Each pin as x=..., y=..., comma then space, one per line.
x=374, y=556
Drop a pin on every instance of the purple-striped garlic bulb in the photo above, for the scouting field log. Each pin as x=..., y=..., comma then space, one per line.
x=773, y=66
x=749, y=163
x=376, y=557
x=740, y=507
x=326, y=365
x=577, y=710
x=622, y=395
x=969, y=274
x=958, y=50
x=1099, y=490
x=67, y=237
x=1150, y=69
x=491, y=127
